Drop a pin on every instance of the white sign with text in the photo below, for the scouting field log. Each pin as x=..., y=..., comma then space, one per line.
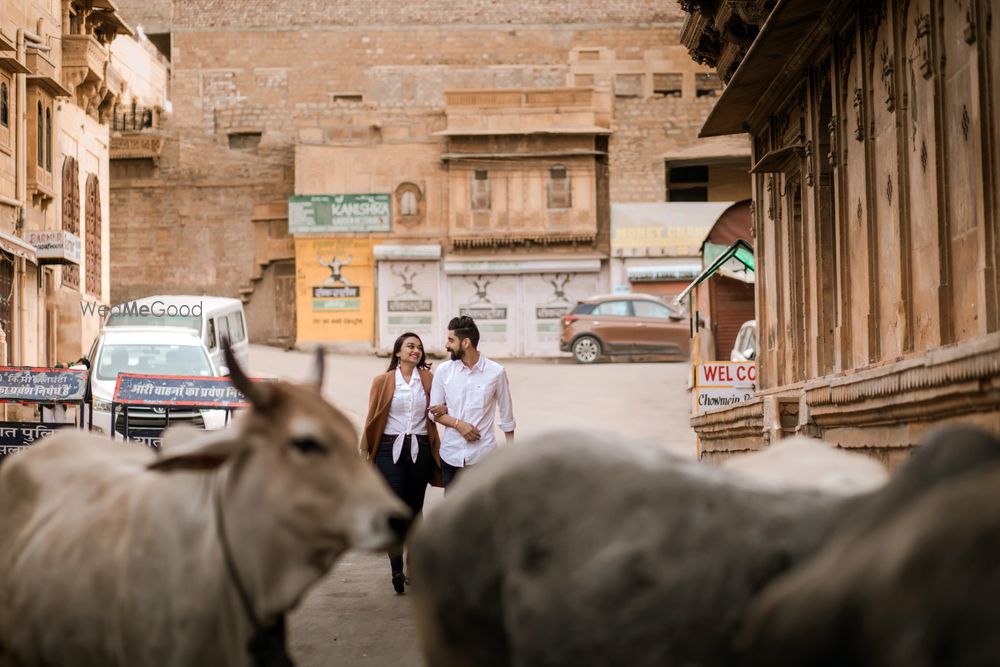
x=720, y=384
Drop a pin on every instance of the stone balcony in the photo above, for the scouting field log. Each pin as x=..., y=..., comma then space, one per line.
x=85, y=71
x=83, y=58
x=135, y=133
x=526, y=111
x=44, y=73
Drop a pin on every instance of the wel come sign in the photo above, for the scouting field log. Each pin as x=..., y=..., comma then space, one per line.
x=720, y=384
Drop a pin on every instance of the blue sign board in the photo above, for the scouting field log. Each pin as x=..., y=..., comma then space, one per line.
x=23, y=384
x=177, y=390
x=18, y=435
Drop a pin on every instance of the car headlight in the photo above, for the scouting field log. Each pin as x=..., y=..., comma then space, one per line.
x=102, y=406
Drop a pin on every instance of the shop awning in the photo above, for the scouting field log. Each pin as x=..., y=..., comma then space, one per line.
x=17, y=247
x=522, y=264
x=787, y=26
x=662, y=229
x=412, y=252
x=656, y=273
x=741, y=251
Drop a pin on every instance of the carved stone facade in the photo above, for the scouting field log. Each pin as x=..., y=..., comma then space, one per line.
x=52, y=144
x=876, y=134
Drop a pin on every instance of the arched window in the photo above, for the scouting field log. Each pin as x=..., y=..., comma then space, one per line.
x=4, y=105
x=559, y=187
x=408, y=203
x=93, y=242
x=40, y=137
x=71, y=215
x=48, y=139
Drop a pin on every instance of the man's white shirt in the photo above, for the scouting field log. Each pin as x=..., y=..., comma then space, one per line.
x=474, y=396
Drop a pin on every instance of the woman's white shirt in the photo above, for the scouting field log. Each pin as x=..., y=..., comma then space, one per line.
x=407, y=414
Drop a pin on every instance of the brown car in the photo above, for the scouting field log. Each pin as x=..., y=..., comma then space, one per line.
x=624, y=324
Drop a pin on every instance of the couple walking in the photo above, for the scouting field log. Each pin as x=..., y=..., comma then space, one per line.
x=408, y=401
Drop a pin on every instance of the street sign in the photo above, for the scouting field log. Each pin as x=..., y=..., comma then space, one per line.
x=177, y=391
x=720, y=384
x=55, y=247
x=15, y=436
x=727, y=374
x=23, y=384
x=336, y=214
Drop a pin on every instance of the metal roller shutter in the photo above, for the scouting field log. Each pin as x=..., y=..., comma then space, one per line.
x=732, y=305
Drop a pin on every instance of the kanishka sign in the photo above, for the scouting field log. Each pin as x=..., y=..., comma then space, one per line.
x=720, y=384
x=332, y=214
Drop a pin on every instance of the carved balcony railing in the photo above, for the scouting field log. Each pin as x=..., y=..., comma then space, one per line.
x=135, y=118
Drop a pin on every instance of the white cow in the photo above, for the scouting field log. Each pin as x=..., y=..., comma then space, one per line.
x=807, y=464
x=112, y=555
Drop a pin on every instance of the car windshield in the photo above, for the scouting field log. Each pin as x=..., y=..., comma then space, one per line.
x=152, y=359
x=123, y=319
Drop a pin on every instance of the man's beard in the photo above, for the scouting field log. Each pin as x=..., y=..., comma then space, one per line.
x=455, y=356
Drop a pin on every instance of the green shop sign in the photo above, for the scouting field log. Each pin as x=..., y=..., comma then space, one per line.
x=332, y=214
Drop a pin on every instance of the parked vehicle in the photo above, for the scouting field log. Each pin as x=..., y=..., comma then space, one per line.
x=624, y=324
x=215, y=318
x=152, y=350
x=745, y=347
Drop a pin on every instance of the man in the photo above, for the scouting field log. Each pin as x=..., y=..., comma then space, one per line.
x=465, y=395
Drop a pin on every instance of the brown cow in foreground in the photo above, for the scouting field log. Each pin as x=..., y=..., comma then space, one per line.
x=112, y=555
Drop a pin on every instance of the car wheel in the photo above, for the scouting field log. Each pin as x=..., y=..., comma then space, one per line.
x=587, y=350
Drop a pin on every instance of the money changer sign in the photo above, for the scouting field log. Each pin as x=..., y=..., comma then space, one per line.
x=334, y=289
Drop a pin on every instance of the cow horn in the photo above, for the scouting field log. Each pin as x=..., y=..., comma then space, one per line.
x=320, y=367
x=253, y=392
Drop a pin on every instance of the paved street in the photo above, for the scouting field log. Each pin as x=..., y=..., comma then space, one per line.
x=354, y=617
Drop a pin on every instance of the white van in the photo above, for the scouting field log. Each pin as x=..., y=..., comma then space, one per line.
x=156, y=350
x=215, y=318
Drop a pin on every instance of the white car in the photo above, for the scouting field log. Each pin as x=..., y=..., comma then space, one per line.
x=745, y=346
x=152, y=350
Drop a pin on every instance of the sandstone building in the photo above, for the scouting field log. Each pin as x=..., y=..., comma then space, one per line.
x=876, y=146
x=354, y=170
x=64, y=68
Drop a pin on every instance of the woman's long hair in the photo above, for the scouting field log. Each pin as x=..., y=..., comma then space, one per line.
x=394, y=360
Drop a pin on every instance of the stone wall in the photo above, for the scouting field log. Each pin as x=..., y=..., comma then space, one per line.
x=153, y=15
x=643, y=130
x=250, y=81
x=224, y=14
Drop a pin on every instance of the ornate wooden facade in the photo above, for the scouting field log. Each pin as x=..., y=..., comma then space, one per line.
x=876, y=143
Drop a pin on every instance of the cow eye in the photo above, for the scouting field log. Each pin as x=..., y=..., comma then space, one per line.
x=308, y=445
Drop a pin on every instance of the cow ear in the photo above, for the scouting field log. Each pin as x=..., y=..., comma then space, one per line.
x=319, y=368
x=187, y=448
x=255, y=392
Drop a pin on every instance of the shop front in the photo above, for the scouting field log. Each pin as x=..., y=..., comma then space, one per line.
x=518, y=303
x=335, y=291
x=656, y=247
x=409, y=294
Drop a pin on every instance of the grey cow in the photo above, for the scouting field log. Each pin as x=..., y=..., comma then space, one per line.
x=588, y=551
x=911, y=582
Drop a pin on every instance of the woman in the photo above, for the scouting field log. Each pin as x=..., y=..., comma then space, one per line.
x=399, y=437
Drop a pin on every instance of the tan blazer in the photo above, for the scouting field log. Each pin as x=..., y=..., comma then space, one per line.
x=379, y=400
